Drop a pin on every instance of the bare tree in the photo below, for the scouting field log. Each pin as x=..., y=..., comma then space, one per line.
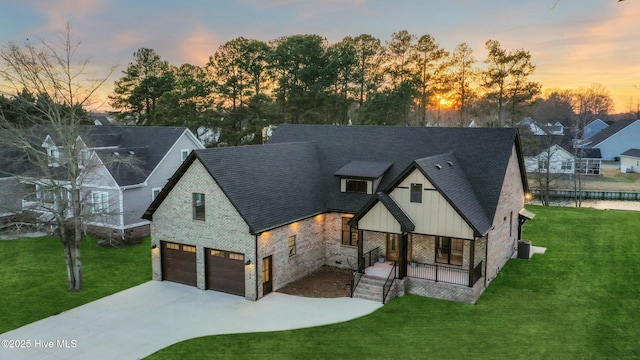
x=56, y=167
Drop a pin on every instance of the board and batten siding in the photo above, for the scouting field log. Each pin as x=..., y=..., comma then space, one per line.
x=433, y=216
x=138, y=199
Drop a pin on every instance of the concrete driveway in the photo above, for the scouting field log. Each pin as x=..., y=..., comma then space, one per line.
x=142, y=320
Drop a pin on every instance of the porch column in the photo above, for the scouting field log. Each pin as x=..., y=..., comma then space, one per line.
x=402, y=254
x=360, y=251
x=472, y=254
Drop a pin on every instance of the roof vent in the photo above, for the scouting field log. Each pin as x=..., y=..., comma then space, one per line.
x=438, y=166
x=450, y=163
x=116, y=153
x=131, y=152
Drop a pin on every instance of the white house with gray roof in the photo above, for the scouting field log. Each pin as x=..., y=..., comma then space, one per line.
x=443, y=206
x=129, y=167
x=615, y=139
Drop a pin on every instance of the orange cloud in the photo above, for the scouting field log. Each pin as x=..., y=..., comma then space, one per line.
x=196, y=48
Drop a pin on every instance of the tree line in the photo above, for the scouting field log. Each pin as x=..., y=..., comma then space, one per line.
x=249, y=83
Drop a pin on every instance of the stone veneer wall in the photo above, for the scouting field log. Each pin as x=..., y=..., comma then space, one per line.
x=442, y=291
x=373, y=239
x=503, y=239
x=336, y=254
x=309, y=251
x=223, y=227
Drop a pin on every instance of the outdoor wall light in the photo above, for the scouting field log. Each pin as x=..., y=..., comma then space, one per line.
x=154, y=246
x=248, y=262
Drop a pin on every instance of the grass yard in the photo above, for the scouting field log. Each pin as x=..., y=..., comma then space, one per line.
x=581, y=299
x=33, y=277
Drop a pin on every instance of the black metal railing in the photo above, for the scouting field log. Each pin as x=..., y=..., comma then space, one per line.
x=368, y=259
x=387, y=285
x=445, y=274
x=355, y=279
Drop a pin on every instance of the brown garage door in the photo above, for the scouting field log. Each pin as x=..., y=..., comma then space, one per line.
x=225, y=271
x=179, y=263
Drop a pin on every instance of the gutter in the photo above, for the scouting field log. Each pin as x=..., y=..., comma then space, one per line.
x=127, y=187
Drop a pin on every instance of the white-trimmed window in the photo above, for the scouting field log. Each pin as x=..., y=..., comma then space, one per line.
x=183, y=154
x=100, y=202
x=53, y=155
x=198, y=206
x=155, y=192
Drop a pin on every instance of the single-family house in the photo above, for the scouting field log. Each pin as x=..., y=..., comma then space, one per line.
x=557, y=155
x=538, y=129
x=594, y=127
x=123, y=169
x=630, y=161
x=248, y=220
x=619, y=137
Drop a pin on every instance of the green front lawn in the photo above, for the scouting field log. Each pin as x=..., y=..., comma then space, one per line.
x=581, y=299
x=33, y=277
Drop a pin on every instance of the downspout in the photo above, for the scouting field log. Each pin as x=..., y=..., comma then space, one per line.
x=256, y=250
x=121, y=215
x=486, y=259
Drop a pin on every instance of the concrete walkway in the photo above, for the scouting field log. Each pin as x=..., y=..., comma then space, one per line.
x=139, y=321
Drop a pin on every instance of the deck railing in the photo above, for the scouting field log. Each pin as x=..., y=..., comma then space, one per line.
x=445, y=274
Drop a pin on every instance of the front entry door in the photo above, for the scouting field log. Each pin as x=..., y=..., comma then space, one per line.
x=393, y=244
x=267, y=274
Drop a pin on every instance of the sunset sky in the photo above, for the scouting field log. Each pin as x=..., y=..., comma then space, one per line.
x=573, y=43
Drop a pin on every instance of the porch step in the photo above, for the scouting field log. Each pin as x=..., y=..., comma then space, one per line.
x=370, y=288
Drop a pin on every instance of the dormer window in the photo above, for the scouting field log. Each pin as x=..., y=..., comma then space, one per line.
x=53, y=155
x=357, y=186
x=361, y=177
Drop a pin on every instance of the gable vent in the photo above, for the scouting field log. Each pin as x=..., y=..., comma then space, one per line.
x=438, y=166
x=450, y=163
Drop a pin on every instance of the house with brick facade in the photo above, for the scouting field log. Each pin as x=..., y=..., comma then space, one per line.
x=443, y=206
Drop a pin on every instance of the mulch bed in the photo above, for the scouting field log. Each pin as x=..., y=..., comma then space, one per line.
x=326, y=282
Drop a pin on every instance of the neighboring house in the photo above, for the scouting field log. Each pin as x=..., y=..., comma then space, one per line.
x=100, y=119
x=594, y=127
x=129, y=167
x=248, y=220
x=630, y=161
x=619, y=137
x=558, y=156
x=540, y=130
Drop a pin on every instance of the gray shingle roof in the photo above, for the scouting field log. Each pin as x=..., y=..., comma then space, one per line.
x=363, y=169
x=149, y=145
x=605, y=133
x=270, y=185
x=445, y=172
x=632, y=152
x=483, y=152
x=292, y=177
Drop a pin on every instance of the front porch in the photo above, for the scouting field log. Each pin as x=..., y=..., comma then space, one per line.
x=431, y=272
x=433, y=266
